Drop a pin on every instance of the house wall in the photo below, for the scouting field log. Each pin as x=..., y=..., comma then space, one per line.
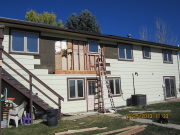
x=149, y=81
x=150, y=73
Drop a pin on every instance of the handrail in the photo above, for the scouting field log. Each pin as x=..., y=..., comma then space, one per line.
x=29, y=82
x=31, y=74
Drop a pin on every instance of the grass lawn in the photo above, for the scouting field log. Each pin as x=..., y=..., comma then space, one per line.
x=112, y=123
x=173, y=116
x=64, y=125
x=100, y=121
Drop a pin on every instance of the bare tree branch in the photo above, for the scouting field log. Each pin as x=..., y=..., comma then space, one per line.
x=143, y=33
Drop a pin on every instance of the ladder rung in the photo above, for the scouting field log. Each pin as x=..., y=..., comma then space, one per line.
x=104, y=80
x=103, y=75
x=102, y=71
x=101, y=66
x=105, y=84
x=100, y=62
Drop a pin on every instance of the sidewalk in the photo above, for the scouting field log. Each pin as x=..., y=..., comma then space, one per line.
x=147, y=121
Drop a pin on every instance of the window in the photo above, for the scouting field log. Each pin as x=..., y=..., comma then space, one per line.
x=167, y=56
x=170, y=89
x=24, y=42
x=125, y=52
x=93, y=46
x=115, y=86
x=75, y=89
x=146, y=53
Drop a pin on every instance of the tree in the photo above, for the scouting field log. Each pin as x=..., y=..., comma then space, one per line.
x=143, y=33
x=45, y=18
x=85, y=21
x=163, y=33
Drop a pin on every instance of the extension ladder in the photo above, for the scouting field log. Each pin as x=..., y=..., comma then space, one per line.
x=105, y=90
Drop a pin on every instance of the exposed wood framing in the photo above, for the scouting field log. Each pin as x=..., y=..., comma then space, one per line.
x=84, y=55
x=78, y=55
x=75, y=72
x=87, y=56
x=73, y=53
x=67, y=52
x=61, y=54
x=71, y=56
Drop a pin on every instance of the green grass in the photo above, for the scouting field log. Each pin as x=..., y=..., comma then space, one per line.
x=157, y=130
x=173, y=116
x=64, y=125
x=112, y=123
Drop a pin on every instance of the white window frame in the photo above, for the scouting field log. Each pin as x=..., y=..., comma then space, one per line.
x=25, y=41
x=97, y=46
x=114, y=84
x=76, y=90
x=125, y=52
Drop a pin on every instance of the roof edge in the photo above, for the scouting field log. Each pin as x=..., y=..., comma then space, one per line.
x=33, y=24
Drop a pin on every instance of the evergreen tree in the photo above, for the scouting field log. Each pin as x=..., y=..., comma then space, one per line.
x=85, y=21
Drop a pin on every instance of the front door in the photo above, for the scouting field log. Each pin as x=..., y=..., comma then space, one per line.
x=169, y=87
x=91, y=90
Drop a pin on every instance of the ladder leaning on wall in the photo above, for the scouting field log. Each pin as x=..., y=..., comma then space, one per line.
x=105, y=91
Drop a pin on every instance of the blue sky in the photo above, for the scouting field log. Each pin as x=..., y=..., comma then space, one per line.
x=117, y=17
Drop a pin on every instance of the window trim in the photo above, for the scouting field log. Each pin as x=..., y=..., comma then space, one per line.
x=143, y=47
x=74, y=99
x=167, y=57
x=120, y=59
x=25, y=31
x=113, y=78
x=98, y=47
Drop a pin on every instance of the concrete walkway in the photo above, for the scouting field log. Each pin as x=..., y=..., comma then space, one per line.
x=79, y=115
x=147, y=121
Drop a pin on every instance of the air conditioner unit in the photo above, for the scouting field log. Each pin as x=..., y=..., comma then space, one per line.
x=138, y=100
